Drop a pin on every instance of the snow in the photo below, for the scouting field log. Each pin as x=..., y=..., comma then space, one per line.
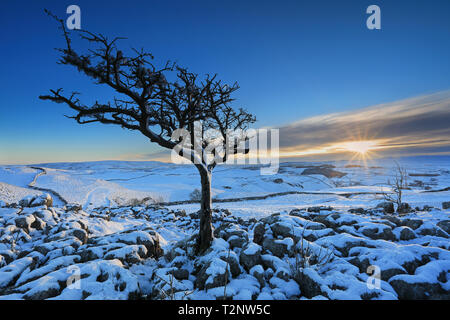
x=119, y=215
x=11, y=271
x=12, y=193
x=55, y=263
x=428, y=273
x=94, y=184
x=252, y=249
x=288, y=288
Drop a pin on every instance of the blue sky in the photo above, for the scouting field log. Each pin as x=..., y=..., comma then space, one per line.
x=292, y=59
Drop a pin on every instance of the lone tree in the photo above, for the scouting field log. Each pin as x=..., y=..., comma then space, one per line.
x=176, y=114
x=398, y=184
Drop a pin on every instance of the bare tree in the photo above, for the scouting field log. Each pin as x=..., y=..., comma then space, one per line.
x=398, y=184
x=148, y=102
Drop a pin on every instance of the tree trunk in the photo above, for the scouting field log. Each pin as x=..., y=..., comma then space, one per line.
x=205, y=235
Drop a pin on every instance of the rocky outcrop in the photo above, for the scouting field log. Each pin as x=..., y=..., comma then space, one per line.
x=36, y=201
x=324, y=171
x=304, y=254
x=387, y=207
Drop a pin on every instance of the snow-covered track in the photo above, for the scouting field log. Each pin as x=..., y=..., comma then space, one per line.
x=53, y=193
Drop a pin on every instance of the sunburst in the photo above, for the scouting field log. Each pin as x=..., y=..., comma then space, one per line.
x=359, y=147
x=362, y=150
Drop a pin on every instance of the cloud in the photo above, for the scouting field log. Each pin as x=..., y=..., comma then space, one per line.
x=413, y=126
x=161, y=155
x=420, y=123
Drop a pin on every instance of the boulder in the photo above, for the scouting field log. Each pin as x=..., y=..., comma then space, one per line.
x=273, y=263
x=130, y=254
x=80, y=234
x=26, y=201
x=10, y=273
x=212, y=275
x=432, y=231
x=8, y=256
x=387, y=206
x=250, y=255
x=258, y=272
x=274, y=217
x=258, y=233
x=147, y=237
x=388, y=273
x=310, y=283
x=237, y=242
x=282, y=273
x=43, y=293
x=375, y=233
x=393, y=220
x=38, y=224
x=36, y=201
x=176, y=251
x=25, y=222
x=85, y=255
x=74, y=207
x=407, y=234
x=227, y=230
x=412, y=223
x=47, y=216
x=180, y=274
x=319, y=208
x=404, y=208
x=43, y=200
x=103, y=280
x=277, y=247
x=446, y=205
x=413, y=290
x=281, y=230
x=233, y=263
x=153, y=244
x=444, y=225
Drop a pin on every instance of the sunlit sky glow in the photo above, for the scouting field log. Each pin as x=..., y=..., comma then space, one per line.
x=417, y=125
x=310, y=68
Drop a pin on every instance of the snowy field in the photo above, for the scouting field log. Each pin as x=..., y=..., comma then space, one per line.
x=121, y=230
x=111, y=183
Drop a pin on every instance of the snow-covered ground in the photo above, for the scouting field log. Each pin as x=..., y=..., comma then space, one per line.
x=95, y=184
x=124, y=228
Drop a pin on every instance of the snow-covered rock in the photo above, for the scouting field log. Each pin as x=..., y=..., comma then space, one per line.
x=36, y=201
x=250, y=255
x=407, y=234
x=430, y=281
x=118, y=251
x=388, y=207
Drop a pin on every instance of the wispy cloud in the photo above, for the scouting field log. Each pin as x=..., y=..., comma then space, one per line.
x=162, y=155
x=419, y=125
x=415, y=125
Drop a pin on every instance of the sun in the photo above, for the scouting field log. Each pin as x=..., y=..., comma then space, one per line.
x=361, y=147
x=363, y=150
